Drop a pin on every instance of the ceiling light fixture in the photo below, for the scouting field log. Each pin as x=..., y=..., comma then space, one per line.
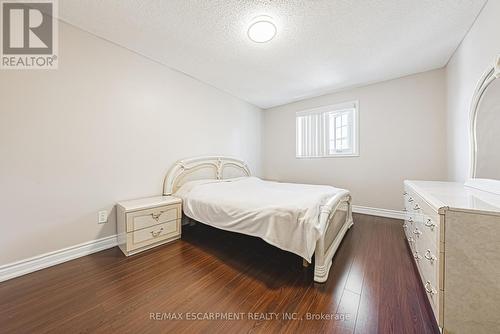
x=262, y=30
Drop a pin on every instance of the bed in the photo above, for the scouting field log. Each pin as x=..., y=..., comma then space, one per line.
x=308, y=220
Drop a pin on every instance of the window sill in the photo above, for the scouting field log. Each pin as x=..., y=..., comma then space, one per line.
x=330, y=156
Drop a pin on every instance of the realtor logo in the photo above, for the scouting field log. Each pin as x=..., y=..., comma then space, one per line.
x=29, y=34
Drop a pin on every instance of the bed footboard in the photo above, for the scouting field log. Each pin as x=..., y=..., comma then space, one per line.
x=338, y=221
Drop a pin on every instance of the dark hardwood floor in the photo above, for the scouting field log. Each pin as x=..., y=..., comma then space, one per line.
x=373, y=288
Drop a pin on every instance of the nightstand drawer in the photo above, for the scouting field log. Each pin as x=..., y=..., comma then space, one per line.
x=154, y=234
x=152, y=217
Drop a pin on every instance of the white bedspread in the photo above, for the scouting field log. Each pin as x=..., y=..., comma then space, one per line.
x=285, y=215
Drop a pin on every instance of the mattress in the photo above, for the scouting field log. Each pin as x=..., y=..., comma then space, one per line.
x=285, y=215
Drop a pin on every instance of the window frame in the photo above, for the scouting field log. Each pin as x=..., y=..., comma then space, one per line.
x=333, y=108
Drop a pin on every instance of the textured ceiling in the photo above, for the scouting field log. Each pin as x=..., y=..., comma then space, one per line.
x=321, y=46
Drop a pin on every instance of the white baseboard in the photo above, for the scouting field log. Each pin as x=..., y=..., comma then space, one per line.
x=30, y=265
x=378, y=212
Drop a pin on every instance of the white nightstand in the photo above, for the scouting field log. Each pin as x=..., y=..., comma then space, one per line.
x=148, y=222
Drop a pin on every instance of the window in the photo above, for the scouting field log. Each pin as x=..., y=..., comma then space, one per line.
x=328, y=131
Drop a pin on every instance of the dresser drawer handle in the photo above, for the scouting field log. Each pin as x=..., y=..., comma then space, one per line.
x=429, y=256
x=410, y=219
x=416, y=207
x=405, y=193
x=429, y=288
x=405, y=226
x=410, y=239
x=157, y=233
x=417, y=256
x=410, y=199
x=430, y=224
x=417, y=232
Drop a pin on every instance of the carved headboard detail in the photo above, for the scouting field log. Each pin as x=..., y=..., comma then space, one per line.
x=198, y=168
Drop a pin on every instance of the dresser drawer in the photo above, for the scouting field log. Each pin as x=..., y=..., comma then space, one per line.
x=431, y=289
x=411, y=242
x=407, y=226
x=427, y=239
x=151, y=235
x=410, y=202
x=433, y=294
x=411, y=222
x=148, y=218
x=416, y=233
x=430, y=225
x=428, y=263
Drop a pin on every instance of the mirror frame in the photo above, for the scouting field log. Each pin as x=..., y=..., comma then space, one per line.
x=492, y=73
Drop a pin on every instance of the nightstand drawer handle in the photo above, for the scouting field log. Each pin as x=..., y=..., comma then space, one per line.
x=410, y=219
x=429, y=256
x=416, y=207
x=429, y=288
x=157, y=233
x=156, y=216
x=417, y=256
x=410, y=199
x=417, y=232
x=430, y=224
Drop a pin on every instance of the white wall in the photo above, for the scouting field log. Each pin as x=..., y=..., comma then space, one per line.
x=477, y=51
x=104, y=127
x=402, y=136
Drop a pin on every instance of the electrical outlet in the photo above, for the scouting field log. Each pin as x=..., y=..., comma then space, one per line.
x=103, y=217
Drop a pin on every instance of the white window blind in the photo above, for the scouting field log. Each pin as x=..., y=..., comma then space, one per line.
x=327, y=131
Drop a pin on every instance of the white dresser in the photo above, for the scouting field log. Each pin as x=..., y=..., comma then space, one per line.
x=148, y=222
x=454, y=235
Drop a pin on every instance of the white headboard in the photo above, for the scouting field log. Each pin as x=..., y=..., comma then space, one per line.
x=198, y=168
